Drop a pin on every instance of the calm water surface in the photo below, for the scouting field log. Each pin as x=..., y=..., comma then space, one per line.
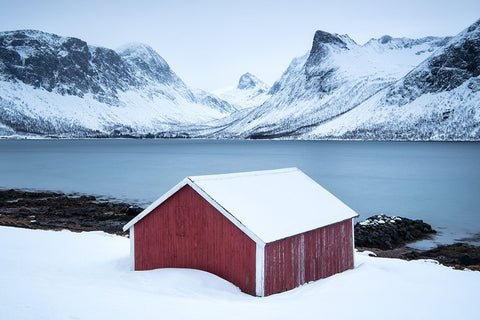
x=436, y=182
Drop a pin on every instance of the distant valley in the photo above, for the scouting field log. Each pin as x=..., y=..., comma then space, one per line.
x=386, y=89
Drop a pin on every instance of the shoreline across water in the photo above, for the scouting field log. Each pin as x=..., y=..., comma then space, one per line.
x=57, y=211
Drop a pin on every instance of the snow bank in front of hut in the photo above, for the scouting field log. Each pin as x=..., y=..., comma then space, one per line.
x=63, y=275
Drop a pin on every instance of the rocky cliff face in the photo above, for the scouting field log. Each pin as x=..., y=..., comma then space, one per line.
x=52, y=84
x=389, y=88
x=447, y=69
x=248, y=82
x=333, y=78
x=437, y=100
x=67, y=66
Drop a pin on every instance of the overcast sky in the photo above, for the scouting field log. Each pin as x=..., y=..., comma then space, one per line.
x=210, y=44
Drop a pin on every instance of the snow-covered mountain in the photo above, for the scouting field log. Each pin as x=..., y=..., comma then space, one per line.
x=250, y=92
x=63, y=86
x=387, y=88
x=333, y=78
x=437, y=100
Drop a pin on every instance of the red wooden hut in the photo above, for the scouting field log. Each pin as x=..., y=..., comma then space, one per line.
x=264, y=231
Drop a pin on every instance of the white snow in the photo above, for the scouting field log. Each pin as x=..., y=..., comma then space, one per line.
x=250, y=92
x=152, y=100
x=242, y=99
x=275, y=204
x=375, y=112
x=380, y=219
x=142, y=52
x=348, y=78
x=142, y=110
x=64, y=275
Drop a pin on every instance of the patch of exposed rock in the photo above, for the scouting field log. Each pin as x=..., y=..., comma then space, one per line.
x=386, y=233
x=57, y=211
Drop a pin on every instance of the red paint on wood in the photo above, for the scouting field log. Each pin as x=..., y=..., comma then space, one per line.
x=309, y=256
x=186, y=231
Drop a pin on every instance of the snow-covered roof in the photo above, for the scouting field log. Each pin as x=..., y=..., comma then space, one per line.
x=272, y=204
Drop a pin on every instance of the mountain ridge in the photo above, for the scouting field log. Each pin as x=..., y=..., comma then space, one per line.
x=61, y=85
x=437, y=100
x=338, y=90
x=332, y=78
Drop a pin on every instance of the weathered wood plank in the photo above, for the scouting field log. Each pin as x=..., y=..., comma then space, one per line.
x=188, y=232
x=309, y=256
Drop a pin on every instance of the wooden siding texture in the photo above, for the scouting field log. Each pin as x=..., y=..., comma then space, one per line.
x=186, y=231
x=309, y=256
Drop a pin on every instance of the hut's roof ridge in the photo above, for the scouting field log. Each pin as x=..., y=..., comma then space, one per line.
x=272, y=204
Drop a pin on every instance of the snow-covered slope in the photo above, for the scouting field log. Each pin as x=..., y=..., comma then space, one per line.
x=388, y=88
x=333, y=78
x=438, y=100
x=250, y=92
x=65, y=275
x=58, y=85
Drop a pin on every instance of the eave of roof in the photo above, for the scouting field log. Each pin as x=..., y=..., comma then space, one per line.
x=238, y=196
x=178, y=186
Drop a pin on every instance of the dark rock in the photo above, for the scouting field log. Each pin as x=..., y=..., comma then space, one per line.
x=318, y=77
x=322, y=37
x=457, y=255
x=69, y=66
x=444, y=71
x=55, y=211
x=466, y=260
x=247, y=81
x=386, y=232
x=133, y=211
x=385, y=39
x=461, y=254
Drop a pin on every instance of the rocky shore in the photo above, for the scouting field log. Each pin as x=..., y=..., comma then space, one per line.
x=387, y=233
x=382, y=235
x=57, y=211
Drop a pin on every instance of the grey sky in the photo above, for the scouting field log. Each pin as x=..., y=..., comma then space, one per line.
x=209, y=44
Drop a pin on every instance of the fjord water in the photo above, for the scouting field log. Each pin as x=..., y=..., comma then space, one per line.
x=438, y=182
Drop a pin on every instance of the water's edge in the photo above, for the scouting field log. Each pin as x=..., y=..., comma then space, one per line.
x=438, y=182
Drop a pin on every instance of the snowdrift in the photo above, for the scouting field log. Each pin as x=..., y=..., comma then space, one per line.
x=65, y=275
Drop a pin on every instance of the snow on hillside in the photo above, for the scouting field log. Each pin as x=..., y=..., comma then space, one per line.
x=334, y=77
x=58, y=85
x=41, y=111
x=65, y=275
x=447, y=115
x=250, y=92
x=437, y=100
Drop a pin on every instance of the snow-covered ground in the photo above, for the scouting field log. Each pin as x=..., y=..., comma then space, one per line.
x=65, y=275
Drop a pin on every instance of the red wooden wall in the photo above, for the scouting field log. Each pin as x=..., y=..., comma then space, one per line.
x=186, y=231
x=309, y=256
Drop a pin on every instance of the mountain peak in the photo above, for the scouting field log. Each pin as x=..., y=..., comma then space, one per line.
x=143, y=52
x=82, y=90
x=324, y=44
x=250, y=92
x=30, y=33
x=135, y=47
x=249, y=81
x=146, y=59
x=323, y=37
x=385, y=39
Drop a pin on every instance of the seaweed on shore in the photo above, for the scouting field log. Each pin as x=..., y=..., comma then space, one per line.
x=57, y=211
